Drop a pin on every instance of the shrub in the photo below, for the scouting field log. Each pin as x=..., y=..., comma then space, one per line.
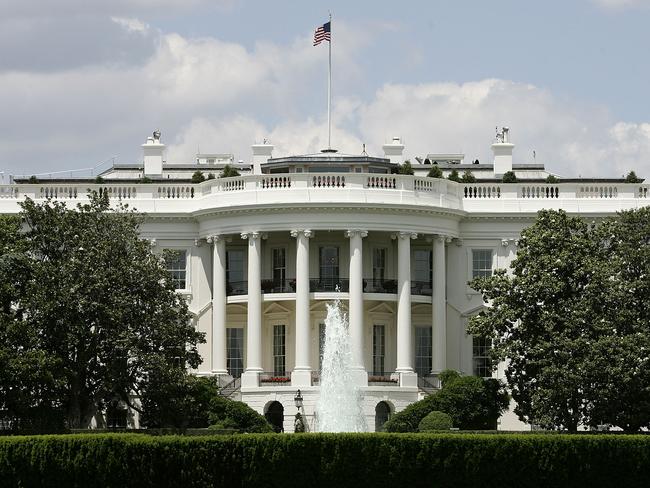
x=552, y=179
x=198, y=177
x=225, y=413
x=435, y=420
x=228, y=172
x=472, y=403
x=453, y=176
x=99, y=180
x=145, y=179
x=210, y=176
x=509, y=177
x=632, y=178
x=468, y=177
x=32, y=179
x=324, y=460
x=435, y=172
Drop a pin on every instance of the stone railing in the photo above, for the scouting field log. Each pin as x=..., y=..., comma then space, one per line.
x=554, y=191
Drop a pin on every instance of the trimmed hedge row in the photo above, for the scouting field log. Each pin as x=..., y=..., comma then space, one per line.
x=327, y=460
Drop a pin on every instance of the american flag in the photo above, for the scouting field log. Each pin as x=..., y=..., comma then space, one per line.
x=323, y=33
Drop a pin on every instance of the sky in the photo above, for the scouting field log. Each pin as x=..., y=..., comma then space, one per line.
x=84, y=82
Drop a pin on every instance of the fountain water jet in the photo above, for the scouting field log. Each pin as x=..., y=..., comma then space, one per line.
x=339, y=404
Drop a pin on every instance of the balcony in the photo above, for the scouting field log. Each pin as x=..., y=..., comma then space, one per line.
x=316, y=285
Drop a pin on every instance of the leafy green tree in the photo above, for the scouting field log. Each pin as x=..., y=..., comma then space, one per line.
x=632, y=178
x=619, y=386
x=98, y=305
x=509, y=177
x=453, y=176
x=468, y=177
x=542, y=317
x=174, y=398
x=198, y=177
x=28, y=387
x=552, y=179
x=211, y=176
x=228, y=172
x=435, y=172
x=405, y=168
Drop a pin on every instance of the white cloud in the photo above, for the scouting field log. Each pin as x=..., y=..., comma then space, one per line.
x=223, y=97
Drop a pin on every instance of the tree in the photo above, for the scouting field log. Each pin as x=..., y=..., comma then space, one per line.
x=28, y=389
x=552, y=179
x=435, y=421
x=210, y=176
x=573, y=321
x=174, y=398
x=198, y=177
x=228, y=414
x=99, y=305
x=405, y=168
x=632, y=178
x=509, y=177
x=228, y=172
x=468, y=177
x=453, y=176
x=435, y=172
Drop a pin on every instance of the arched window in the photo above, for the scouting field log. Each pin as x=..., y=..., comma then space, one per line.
x=275, y=416
x=382, y=414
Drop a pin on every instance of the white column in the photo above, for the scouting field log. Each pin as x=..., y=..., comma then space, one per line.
x=250, y=378
x=301, y=374
x=355, y=312
x=218, y=304
x=404, y=348
x=439, y=307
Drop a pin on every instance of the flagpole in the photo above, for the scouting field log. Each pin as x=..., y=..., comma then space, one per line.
x=329, y=92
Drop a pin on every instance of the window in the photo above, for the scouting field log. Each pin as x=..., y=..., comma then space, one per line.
x=422, y=271
x=235, y=266
x=176, y=265
x=278, y=350
x=279, y=267
x=378, y=349
x=482, y=364
x=235, y=351
x=481, y=263
x=329, y=267
x=378, y=265
x=423, y=351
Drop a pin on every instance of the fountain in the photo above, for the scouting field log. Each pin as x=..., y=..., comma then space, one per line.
x=339, y=404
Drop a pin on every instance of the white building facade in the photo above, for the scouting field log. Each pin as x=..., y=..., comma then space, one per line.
x=259, y=256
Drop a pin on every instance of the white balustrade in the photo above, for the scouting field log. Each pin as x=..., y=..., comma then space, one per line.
x=482, y=190
x=381, y=181
x=597, y=191
x=543, y=191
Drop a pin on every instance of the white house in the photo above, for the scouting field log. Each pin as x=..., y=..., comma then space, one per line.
x=259, y=256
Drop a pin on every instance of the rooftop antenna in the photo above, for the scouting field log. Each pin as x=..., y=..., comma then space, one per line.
x=364, y=153
x=534, y=156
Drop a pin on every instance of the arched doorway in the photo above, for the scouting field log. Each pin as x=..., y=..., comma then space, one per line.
x=275, y=416
x=382, y=414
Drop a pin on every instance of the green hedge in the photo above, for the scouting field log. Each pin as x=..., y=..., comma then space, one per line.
x=327, y=460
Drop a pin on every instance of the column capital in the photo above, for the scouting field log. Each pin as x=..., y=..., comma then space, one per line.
x=214, y=238
x=352, y=232
x=306, y=232
x=444, y=238
x=404, y=235
x=253, y=235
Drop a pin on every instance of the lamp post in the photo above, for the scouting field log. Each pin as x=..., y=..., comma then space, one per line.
x=299, y=423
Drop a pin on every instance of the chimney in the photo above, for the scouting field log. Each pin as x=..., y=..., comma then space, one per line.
x=394, y=150
x=502, y=149
x=261, y=154
x=153, y=155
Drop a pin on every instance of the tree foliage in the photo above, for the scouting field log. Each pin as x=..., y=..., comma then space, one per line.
x=434, y=421
x=472, y=403
x=198, y=177
x=91, y=315
x=454, y=176
x=468, y=177
x=228, y=172
x=631, y=177
x=573, y=320
x=509, y=177
x=435, y=172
